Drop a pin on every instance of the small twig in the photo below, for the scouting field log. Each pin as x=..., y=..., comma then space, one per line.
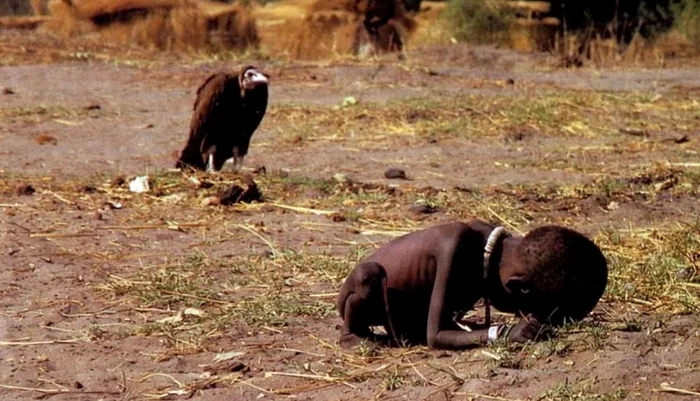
x=300, y=352
x=487, y=397
x=12, y=205
x=506, y=222
x=317, y=212
x=303, y=389
x=59, y=197
x=641, y=302
x=126, y=280
x=310, y=377
x=272, y=330
x=47, y=395
x=578, y=106
x=481, y=113
x=491, y=355
x=47, y=305
x=61, y=235
x=27, y=343
x=387, y=233
x=50, y=393
x=148, y=376
x=153, y=226
x=432, y=383
x=324, y=295
x=321, y=341
x=254, y=386
x=123, y=384
x=634, y=132
x=665, y=388
x=67, y=122
x=257, y=234
x=196, y=297
x=58, y=329
x=60, y=386
x=20, y=388
x=452, y=373
x=26, y=230
x=103, y=311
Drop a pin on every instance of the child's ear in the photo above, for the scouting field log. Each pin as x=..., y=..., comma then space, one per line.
x=517, y=286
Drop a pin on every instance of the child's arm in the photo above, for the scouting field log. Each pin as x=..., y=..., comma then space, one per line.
x=440, y=331
x=527, y=329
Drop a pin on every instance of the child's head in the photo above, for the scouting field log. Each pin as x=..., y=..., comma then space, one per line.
x=554, y=273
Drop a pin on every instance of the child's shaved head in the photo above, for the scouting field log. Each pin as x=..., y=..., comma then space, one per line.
x=567, y=273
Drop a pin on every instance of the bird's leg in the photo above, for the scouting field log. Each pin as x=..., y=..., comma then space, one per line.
x=210, y=163
x=237, y=159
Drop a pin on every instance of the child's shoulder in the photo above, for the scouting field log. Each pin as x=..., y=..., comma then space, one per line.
x=456, y=232
x=458, y=228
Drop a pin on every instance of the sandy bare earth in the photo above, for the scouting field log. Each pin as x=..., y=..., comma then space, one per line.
x=86, y=289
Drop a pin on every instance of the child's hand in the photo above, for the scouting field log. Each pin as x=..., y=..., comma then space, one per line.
x=527, y=329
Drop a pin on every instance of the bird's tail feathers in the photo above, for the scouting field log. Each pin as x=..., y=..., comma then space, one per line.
x=190, y=157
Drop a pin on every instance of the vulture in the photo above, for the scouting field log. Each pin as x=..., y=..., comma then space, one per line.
x=227, y=111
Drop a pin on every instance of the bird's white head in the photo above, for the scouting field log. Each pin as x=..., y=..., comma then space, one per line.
x=252, y=77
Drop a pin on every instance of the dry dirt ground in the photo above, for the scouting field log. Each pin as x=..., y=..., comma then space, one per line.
x=108, y=294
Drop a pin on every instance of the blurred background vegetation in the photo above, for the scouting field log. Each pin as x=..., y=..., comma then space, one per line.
x=484, y=20
x=15, y=7
x=570, y=24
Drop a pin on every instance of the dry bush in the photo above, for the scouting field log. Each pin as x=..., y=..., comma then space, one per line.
x=677, y=44
x=149, y=30
x=326, y=33
x=160, y=24
x=334, y=26
x=189, y=29
x=600, y=51
x=65, y=20
x=94, y=8
x=234, y=30
x=479, y=21
x=607, y=50
x=317, y=29
x=280, y=25
x=431, y=26
x=337, y=5
x=686, y=15
x=672, y=29
x=39, y=7
x=14, y=8
x=307, y=29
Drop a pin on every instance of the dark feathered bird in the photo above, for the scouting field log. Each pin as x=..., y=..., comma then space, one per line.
x=227, y=111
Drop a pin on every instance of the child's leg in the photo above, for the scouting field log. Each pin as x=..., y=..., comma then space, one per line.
x=363, y=303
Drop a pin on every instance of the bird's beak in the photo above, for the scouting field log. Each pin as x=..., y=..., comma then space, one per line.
x=258, y=78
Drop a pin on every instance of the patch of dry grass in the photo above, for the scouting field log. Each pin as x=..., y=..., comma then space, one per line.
x=586, y=115
x=581, y=391
x=271, y=281
x=35, y=114
x=656, y=268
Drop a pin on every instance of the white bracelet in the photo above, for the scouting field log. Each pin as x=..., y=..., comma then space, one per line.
x=494, y=331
